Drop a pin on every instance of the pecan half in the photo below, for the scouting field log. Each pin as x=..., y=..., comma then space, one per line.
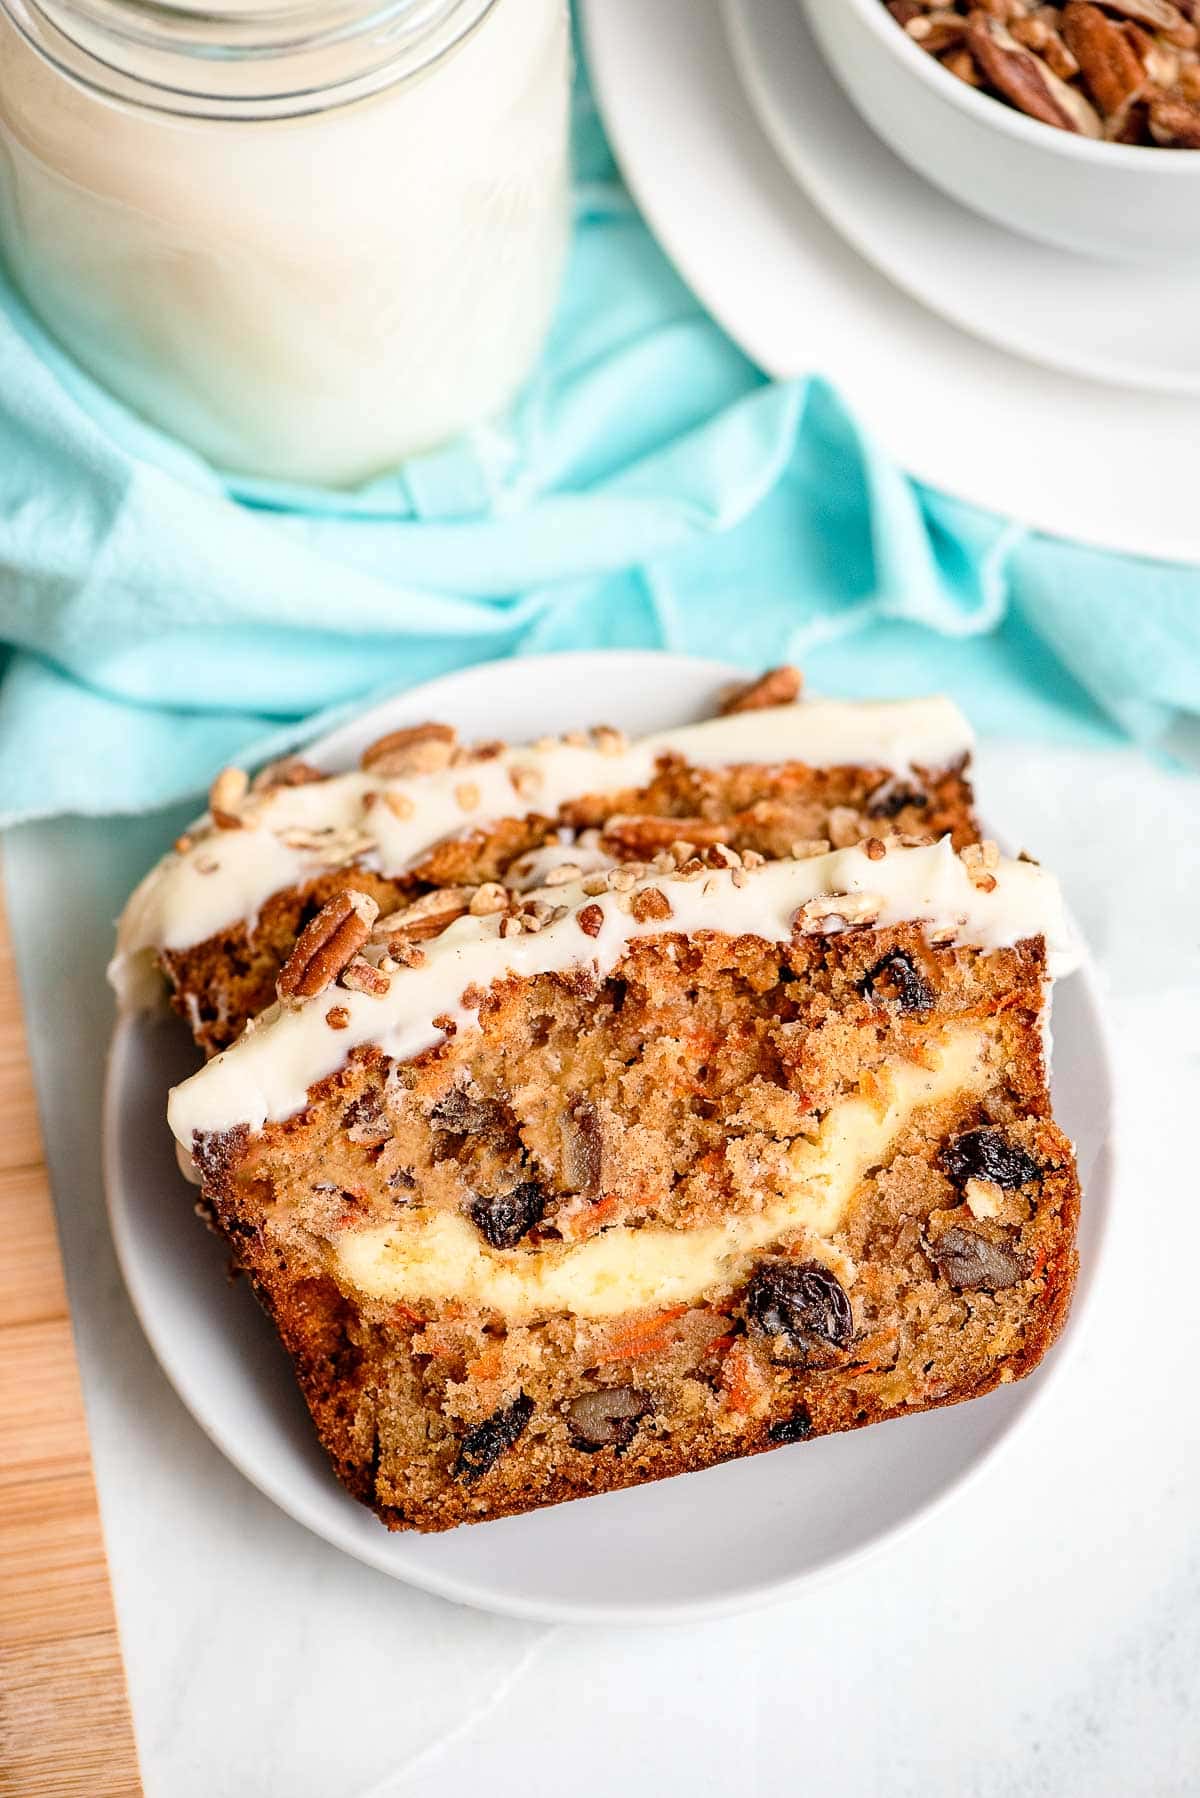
x=420, y=749
x=327, y=944
x=427, y=916
x=1106, y=59
x=1029, y=82
x=778, y=686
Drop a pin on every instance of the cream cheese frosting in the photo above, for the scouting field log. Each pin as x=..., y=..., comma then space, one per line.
x=292, y=834
x=266, y=1075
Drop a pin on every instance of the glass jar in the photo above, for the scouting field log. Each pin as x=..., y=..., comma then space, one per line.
x=306, y=239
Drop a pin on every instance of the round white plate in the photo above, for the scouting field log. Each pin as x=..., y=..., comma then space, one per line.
x=705, y=1543
x=1107, y=321
x=1105, y=465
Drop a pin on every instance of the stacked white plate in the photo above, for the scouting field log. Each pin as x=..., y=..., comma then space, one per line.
x=1055, y=389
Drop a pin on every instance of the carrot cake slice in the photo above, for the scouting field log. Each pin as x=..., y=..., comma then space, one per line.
x=666, y=1166
x=434, y=828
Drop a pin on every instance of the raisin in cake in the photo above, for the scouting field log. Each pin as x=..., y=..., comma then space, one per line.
x=690, y=1162
x=432, y=828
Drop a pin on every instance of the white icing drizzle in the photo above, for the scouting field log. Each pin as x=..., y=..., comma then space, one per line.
x=266, y=1075
x=225, y=877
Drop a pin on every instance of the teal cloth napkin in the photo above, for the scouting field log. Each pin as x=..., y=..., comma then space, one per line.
x=651, y=488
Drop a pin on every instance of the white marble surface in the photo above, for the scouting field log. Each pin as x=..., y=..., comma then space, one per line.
x=1041, y=1635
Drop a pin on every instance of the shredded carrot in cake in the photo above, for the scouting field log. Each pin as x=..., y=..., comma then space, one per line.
x=635, y=1337
x=487, y=1367
x=737, y=1377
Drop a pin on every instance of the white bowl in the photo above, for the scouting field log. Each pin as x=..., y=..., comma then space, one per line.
x=706, y=1544
x=1123, y=201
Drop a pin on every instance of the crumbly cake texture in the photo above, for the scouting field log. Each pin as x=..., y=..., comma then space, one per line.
x=680, y=1195
x=775, y=806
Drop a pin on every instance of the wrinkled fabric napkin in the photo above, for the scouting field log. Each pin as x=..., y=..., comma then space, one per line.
x=651, y=488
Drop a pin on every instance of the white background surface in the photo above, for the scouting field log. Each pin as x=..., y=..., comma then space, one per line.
x=1041, y=1635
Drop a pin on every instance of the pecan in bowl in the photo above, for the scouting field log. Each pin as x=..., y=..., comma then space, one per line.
x=1125, y=71
x=1069, y=122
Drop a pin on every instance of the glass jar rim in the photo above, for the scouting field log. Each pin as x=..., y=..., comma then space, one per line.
x=243, y=62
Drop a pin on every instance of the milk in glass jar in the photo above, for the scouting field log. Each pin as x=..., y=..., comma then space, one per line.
x=307, y=239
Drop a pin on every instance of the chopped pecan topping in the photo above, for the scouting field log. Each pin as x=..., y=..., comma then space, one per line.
x=327, y=945
x=488, y=899
x=621, y=880
x=833, y=912
x=526, y=782
x=778, y=686
x=290, y=771
x=420, y=749
x=650, y=905
x=981, y=860
x=361, y=976
x=609, y=741
x=225, y=798
x=563, y=875
x=590, y=920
